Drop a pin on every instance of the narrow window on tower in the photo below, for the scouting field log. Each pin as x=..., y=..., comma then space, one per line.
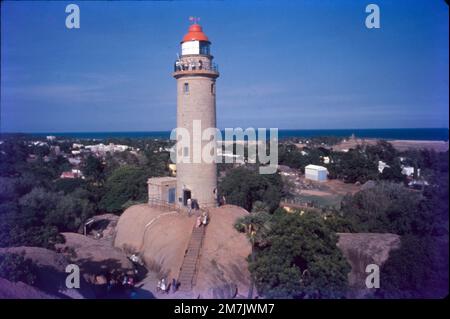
x=186, y=88
x=213, y=89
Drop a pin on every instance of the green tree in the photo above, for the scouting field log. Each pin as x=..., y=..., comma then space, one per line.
x=390, y=207
x=243, y=187
x=353, y=166
x=69, y=213
x=256, y=226
x=382, y=151
x=301, y=259
x=14, y=267
x=419, y=269
x=68, y=185
x=393, y=173
x=93, y=169
x=125, y=183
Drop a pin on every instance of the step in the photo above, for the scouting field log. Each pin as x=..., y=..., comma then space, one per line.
x=185, y=279
x=187, y=271
x=191, y=257
x=186, y=282
x=189, y=264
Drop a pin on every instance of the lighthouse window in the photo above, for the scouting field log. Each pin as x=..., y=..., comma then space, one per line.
x=186, y=88
x=204, y=48
x=213, y=88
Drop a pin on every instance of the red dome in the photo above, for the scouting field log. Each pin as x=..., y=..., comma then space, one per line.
x=195, y=33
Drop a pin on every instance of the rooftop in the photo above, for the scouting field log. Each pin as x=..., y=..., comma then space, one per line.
x=161, y=180
x=316, y=167
x=195, y=33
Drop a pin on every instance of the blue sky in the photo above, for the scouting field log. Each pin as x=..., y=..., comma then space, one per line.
x=291, y=65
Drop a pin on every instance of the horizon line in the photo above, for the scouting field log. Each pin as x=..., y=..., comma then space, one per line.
x=222, y=129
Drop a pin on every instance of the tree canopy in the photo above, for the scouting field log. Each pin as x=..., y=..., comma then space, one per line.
x=243, y=187
x=125, y=183
x=300, y=259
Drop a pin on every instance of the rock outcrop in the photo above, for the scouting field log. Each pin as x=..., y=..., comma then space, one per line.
x=362, y=249
x=162, y=239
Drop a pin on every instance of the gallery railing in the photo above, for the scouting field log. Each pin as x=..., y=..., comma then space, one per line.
x=180, y=66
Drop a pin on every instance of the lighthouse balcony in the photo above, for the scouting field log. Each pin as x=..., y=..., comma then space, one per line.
x=182, y=69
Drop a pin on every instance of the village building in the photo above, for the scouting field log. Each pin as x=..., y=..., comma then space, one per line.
x=316, y=173
x=381, y=166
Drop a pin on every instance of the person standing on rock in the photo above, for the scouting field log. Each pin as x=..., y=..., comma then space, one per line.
x=174, y=285
x=189, y=205
x=163, y=285
x=204, y=218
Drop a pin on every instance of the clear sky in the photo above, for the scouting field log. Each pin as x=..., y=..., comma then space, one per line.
x=291, y=65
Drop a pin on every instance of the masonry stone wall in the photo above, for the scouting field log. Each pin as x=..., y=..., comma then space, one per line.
x=196, y=101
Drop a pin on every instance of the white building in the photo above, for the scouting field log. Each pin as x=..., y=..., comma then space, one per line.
x=381, y=166
x=102, y=148
x=409, y=171
x=326, y=159
x=316, y=173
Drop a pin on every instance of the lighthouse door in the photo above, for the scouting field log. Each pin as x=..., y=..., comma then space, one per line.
x=171, y=195
x=186, y=196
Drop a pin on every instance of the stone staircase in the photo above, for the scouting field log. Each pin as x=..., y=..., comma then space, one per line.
x=188, y=270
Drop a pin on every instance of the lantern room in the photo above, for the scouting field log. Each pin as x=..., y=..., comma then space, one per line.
x=195, y=42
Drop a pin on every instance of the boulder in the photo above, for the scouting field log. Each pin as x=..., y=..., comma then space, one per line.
x=362, y=249
x=162, y=238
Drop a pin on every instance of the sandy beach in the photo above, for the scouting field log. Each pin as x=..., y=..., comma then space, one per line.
x=400, y=145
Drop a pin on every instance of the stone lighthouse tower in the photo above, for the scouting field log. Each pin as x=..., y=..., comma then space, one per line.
x=196, y=76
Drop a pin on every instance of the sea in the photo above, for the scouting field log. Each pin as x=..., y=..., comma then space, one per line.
x=423, y=134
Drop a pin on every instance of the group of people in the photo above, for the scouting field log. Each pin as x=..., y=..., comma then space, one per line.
x=165, y=287
x=192, y=204
x=115, y=283
x=202, y=219
x=190, y=65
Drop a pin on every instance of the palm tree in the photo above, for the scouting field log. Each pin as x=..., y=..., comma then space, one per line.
x=256, y=226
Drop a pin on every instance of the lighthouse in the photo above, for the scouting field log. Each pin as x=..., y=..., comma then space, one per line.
x=196, y=76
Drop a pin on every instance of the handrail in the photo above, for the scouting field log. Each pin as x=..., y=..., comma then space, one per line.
x=163, y=205
x=195, y=66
